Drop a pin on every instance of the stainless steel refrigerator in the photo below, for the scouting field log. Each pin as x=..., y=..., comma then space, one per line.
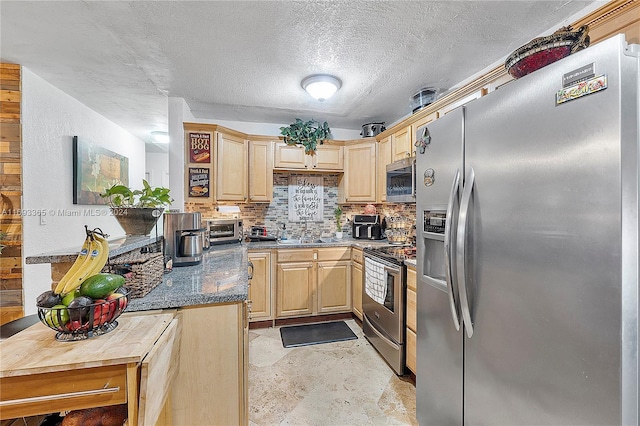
x=527, y=220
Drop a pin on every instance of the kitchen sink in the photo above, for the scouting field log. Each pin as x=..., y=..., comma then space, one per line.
x=289, y=242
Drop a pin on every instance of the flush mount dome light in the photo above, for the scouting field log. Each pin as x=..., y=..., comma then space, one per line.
x=321, y=86
x=160, y=137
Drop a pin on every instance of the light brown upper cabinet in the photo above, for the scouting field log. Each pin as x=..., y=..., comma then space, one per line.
x=260, y=171
x=231, y=171
x=327, y=157
x=384, y=158
x=358, y=184
x=401, y=147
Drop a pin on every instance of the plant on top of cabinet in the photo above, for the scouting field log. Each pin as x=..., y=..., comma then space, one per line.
x=306, y=133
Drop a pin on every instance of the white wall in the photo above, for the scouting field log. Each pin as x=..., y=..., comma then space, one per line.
x=50, y=119
x=157, y=168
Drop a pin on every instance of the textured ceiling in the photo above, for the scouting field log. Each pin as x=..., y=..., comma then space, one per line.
x=244, y=60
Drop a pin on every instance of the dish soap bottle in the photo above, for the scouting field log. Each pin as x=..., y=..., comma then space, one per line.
x=283, y=232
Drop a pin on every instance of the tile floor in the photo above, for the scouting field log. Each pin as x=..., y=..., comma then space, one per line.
x=341, y=383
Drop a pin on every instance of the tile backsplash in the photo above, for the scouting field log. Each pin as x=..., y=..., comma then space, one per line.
x=276, y=213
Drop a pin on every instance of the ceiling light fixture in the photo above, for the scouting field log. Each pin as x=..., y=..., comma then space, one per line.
x=321, y=86
x=160, y=137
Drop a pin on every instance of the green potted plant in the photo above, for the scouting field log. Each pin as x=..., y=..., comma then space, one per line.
x=337, y=214
x=137, y=211
x=307, y=133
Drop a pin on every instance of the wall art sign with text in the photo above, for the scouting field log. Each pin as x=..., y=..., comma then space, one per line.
x=306, y=198
x=94, y=170
x=199, y=147
x=199, y=182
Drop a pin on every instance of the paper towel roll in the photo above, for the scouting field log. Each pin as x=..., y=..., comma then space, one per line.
x=228, y=209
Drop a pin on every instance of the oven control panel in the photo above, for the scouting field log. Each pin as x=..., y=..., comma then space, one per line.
x=434, y=222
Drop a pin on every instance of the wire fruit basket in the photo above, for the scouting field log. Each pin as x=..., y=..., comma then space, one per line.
x=80, y=323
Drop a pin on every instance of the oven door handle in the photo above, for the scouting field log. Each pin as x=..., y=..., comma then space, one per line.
x=448, y=229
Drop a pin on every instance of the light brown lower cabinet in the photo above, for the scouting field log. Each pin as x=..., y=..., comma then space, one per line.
x=260, y=297
x=412, y=319
x=313, y=281
x=211, y=387
x=357, y=278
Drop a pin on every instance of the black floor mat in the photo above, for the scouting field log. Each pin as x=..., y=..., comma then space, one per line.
x=313, y=334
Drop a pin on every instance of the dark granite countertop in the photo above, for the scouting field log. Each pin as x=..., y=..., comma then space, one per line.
x=117, y=246
x=221, y=277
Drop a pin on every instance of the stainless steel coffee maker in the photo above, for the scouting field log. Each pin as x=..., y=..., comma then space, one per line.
x=183, y=238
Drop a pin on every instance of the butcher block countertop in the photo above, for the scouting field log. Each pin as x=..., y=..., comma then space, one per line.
x=35, y=350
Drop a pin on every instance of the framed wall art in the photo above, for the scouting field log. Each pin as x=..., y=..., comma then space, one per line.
x=95, y=169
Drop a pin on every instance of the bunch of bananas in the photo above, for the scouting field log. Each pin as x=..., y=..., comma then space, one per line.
x=90, y=261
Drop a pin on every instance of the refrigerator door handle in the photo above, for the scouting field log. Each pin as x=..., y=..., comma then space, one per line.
x=461, y=254
x=453, y=197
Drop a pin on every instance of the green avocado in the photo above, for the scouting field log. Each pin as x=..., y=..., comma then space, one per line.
x=101, y=285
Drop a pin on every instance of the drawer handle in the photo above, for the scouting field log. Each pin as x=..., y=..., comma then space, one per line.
x=58, y=396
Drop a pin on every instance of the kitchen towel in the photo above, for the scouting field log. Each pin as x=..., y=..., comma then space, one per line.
x=375, y=286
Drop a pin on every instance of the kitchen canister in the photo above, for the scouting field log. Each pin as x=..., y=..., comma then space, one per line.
x=372, y=129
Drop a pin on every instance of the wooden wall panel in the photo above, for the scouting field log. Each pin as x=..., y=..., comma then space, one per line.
x=11, y=294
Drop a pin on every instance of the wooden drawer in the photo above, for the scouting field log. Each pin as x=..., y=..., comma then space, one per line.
x=334, y=253
x=411, y=351
x=356, y=256
x=44, y=393
x=412, y=317
x=296, y=255
x=411, y=279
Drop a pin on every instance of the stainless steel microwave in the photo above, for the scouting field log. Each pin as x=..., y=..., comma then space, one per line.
x=222, y=231
x=401, y=181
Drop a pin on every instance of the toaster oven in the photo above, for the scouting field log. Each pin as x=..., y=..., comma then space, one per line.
x=223, y=231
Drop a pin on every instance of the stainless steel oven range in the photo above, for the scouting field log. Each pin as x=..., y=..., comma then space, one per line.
x=383, y=303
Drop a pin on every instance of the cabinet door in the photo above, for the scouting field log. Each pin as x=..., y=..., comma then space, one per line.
x=295, y=285
x=328, y=157
x=290, y=157
x=260, y=286
x=356, y=288
x=231, y=174
x=210, y=388
x=412, y=319
x=384, y=158
x=260, y=171
x=401, y=144
x=157, y=374
x=359, y=180
x=411, y=351
x=334, y=286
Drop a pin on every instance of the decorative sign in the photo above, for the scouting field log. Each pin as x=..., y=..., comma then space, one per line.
x=581, y=89
x=94, y=170
x=199, y=182
x=199, y=147
x=306, y=198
